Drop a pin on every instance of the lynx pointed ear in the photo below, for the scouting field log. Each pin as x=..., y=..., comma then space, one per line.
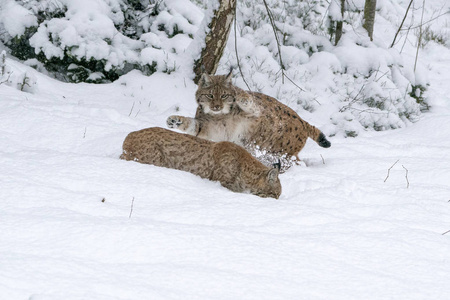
x=229, y=76
x=205, y=80
x=272, y=176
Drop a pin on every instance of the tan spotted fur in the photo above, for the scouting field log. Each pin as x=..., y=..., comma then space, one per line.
x=228, y=113
x=225, y=162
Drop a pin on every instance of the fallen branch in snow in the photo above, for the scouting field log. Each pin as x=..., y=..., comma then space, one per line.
x=131, y=108
x=406, y=176
x=7, y=79
x=323, y=160
x=446, y=232
x=131, y=211
x=389, y=170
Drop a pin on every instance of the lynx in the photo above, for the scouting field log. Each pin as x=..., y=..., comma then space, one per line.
x=250, y=119
x=225, y=162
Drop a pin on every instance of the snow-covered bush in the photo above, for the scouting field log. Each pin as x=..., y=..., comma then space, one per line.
x=355, y=85
x=99, y=40
x=358, y=84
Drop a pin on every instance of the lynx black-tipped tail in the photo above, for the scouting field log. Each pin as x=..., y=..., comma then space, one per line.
x=323, y=142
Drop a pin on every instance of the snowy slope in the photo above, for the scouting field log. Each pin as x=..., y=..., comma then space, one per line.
x=337, y=232
x=78, y=223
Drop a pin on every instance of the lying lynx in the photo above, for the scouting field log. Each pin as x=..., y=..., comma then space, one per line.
x=225, y=162
x=228, y=113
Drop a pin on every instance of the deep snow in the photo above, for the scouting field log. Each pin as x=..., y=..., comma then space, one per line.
x=337, y=232
x=78, y=223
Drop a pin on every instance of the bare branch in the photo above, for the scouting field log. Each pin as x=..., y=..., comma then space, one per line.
x=389, y=170
x=420, y=36
x=401, y=24
x=235, y=48
x=131, y=108
x=131, y=211
x=272, y=22
x=426, y=22
x=406, y=176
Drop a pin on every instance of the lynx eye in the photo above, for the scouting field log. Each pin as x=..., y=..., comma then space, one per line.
x=209, y=96
x=224, y=96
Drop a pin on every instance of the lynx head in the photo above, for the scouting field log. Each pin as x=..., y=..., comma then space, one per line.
x=268, y=185
x=215, y=94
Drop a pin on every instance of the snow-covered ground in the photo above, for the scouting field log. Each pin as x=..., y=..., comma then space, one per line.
x=78, y=223
x=368, y=218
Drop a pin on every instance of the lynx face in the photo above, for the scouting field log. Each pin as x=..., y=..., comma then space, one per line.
x=268, y=186
x=215, y=94
x=258, y=122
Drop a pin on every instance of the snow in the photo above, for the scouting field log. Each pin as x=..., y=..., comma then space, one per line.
x=365, y=219
x=15, y=18
x=340, y=230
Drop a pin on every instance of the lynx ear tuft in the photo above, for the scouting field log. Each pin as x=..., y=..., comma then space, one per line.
x=272, y=175
x=229, y=76
x=205, y=80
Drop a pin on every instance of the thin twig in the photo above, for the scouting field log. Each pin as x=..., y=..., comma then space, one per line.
x=446, y=232
x=7, y=79
x=426, y=22
x=345, y=107
x=420, y=36
x=272, y=22
x=389, y=170
x=323, y=160
x=84, y=135
x=406, y=176
x=295, y=84
x=131, y=109
x=401, y=24
x=131, y=211
x=236, y=50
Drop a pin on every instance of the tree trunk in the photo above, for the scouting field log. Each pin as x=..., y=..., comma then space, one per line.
x=369, y=16
x=216, y=39
x=340, y=24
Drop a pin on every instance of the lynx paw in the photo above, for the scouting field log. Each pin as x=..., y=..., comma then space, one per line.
x=248, y=106
x=174, y=121
x=243, y=101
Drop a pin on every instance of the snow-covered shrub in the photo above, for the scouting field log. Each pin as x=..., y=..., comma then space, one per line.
x=358, y=84
x=99, y=40
x=353, y=86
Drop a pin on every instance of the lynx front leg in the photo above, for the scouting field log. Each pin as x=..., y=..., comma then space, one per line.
x=186, y=124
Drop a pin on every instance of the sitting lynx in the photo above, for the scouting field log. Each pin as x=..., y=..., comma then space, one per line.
x=228, y=113
x=225, y=162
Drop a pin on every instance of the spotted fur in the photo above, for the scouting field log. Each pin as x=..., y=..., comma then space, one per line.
x=225, y=162
x=228, y=113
